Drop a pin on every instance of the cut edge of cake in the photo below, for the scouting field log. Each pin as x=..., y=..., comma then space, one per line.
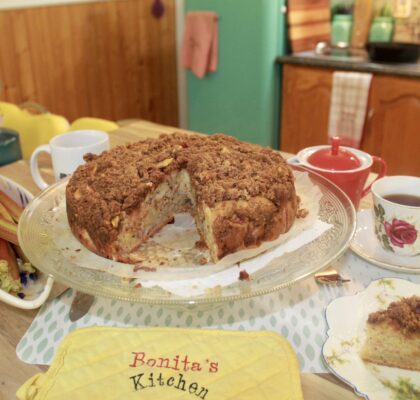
x=232, y=235
x=393, y=335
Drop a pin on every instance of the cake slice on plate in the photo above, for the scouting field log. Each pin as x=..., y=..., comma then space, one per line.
x=393, y=335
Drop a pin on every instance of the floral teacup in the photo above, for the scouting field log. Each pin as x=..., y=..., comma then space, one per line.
x=397, y=225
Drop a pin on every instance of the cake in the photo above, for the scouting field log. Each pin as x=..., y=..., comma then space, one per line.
x=393, y=335
x=240, y=194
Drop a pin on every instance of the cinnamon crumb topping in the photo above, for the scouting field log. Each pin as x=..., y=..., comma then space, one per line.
x=221, y=168
x=404, y=314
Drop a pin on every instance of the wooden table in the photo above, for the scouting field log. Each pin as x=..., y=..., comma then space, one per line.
x=15, y=322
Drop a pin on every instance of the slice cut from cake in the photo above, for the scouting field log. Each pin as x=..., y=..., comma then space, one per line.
x=393, y=335
x=239, y=194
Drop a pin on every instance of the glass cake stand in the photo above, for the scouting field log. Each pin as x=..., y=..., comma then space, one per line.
x=36, y=235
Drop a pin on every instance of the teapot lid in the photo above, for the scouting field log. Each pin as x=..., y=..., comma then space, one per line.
x=334, y=158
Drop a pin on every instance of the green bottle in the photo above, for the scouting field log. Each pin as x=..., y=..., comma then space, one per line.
x=382, y=29
x=341, y=30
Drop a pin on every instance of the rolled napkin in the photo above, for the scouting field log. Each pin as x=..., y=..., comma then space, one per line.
x=200, y=44
x=168, y=363
x=349, y=98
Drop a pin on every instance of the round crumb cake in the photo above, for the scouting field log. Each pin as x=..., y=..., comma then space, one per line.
x=240, y=194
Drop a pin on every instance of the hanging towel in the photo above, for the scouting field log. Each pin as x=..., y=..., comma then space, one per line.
x=200, y=45
x=348, y=106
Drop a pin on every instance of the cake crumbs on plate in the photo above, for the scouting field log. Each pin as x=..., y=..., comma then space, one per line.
x=144, y=268
x=139, y=267
x=214, y=291
x=200, y=244
x=202, y=261
x=244, y=276
x=302, y=213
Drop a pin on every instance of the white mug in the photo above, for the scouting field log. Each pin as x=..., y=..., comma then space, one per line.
x=397, y=225
x=67, y=151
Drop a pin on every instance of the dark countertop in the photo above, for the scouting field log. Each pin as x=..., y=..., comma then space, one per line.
x=355, y=61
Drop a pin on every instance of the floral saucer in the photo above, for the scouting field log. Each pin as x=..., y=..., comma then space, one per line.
x=346, y=337
x=366, y=245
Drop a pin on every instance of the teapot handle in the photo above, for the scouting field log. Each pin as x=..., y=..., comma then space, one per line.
x=382, y=172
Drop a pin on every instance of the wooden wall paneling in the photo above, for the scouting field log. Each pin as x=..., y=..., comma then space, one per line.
x=24, y=68
x=8, y=67
x=305, y=107
x=86, y=74
x=137, y=71
x=168, y=49
x=108, y=59
x=308, y=23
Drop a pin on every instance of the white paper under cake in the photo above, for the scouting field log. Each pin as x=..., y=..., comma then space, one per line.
x=172, y=260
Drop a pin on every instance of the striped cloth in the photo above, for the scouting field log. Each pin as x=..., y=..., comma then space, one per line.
x=349, y=98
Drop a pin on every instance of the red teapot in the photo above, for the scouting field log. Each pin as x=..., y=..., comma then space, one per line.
x=347, y=167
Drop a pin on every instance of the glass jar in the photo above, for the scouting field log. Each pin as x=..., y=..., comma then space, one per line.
x=382, y=29
x=341, y=30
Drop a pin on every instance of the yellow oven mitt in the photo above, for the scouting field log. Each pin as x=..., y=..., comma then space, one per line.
x=168, y=363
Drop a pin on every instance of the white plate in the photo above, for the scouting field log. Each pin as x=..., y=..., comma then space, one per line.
x=346, y=318
x=366, y=245
x=35, y=292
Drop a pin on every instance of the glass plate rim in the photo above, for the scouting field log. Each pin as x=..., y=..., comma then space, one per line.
x=191, y=301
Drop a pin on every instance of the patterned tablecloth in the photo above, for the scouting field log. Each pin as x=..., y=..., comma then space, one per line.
x=297, y=313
